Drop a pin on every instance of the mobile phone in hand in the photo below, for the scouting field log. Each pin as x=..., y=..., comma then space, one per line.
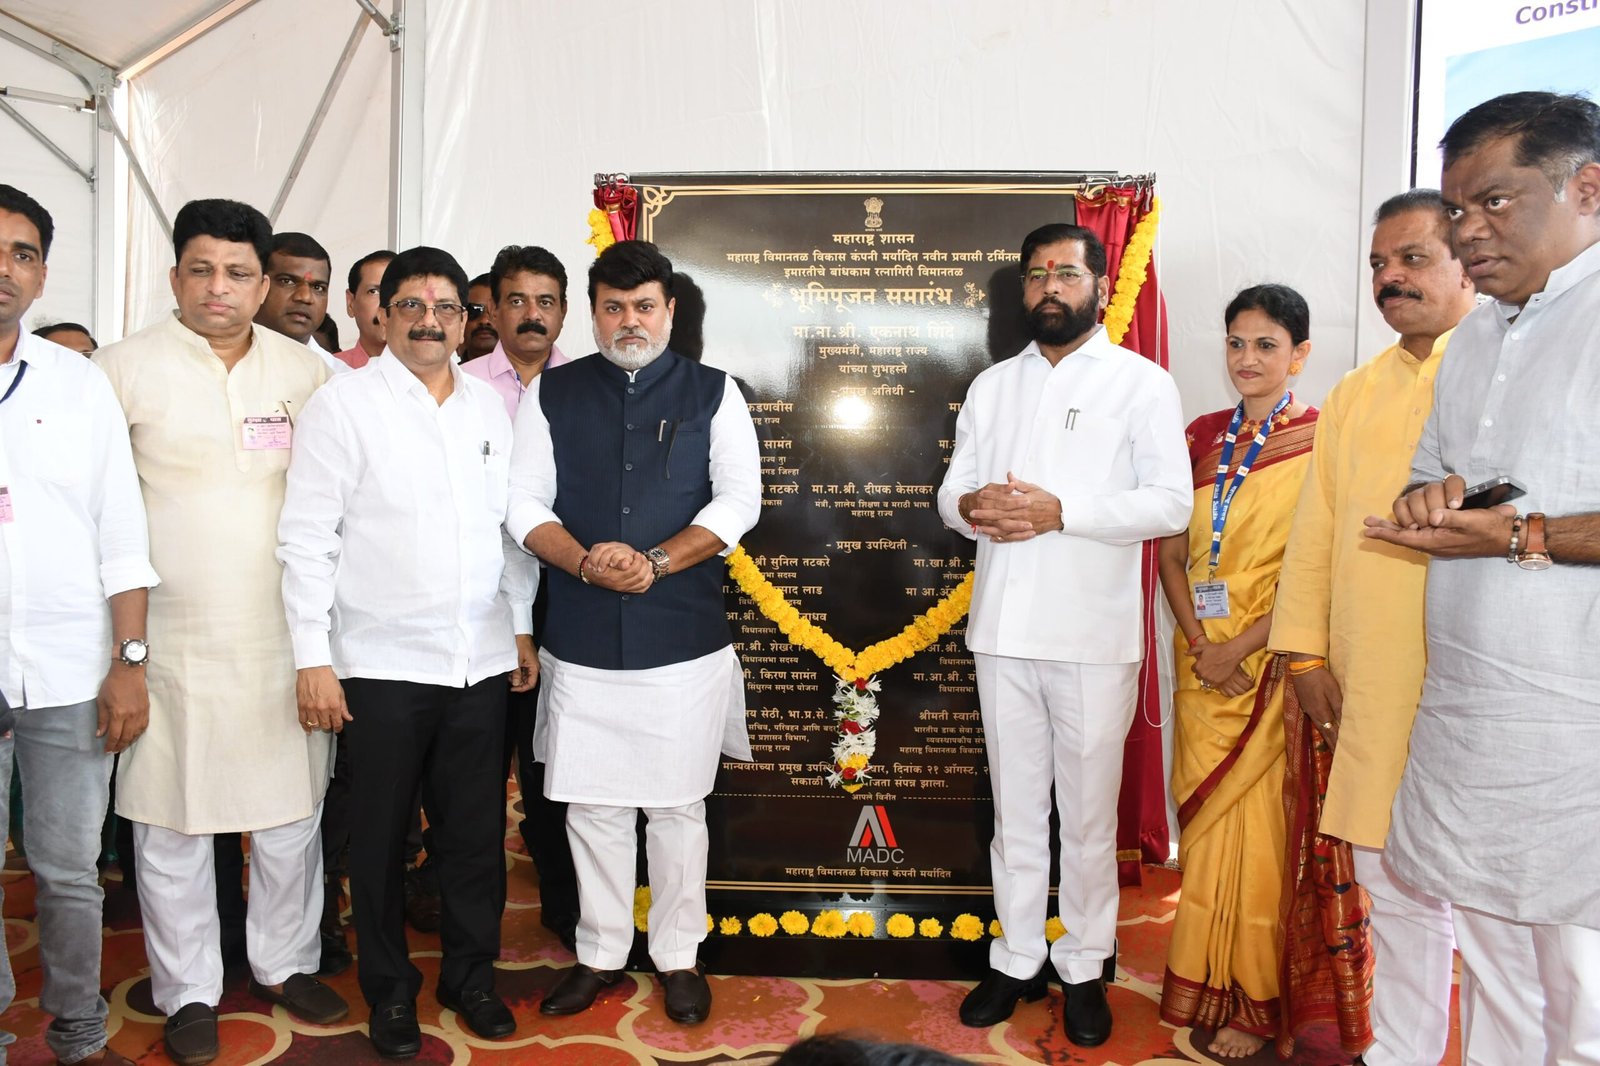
x=1491, y=493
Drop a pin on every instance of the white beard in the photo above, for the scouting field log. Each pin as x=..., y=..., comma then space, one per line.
x=632, y=359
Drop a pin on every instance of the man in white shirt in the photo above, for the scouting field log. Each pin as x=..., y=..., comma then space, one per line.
x=72, y=538
x=298, y=275
x=1067, y=457
x=400, y=583
x=635, y=471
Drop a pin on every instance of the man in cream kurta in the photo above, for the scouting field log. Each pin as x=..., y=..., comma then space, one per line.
x=210, y=401
x=1355, y=605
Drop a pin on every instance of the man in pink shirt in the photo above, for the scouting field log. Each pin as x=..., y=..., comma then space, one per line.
x=528, y=290
x=528, y=303
x=361, y=304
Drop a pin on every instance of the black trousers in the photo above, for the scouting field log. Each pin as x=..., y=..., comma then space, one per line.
x=451, y=741
x=544, y=821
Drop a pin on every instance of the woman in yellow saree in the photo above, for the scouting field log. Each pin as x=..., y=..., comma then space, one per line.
x=1228, y=753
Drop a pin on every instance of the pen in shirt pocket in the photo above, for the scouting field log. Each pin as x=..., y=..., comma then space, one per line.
x=671, y=440
x=285, y=405
x=485, y=453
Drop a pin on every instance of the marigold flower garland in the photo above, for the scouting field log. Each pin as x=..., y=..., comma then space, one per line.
x=855, y=694
x=1131, y=275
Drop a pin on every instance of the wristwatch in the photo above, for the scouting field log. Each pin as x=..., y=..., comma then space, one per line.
x=659, y=562
x=1532, y=554
x=133, y=652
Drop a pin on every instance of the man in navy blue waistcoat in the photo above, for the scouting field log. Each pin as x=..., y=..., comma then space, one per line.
x=633, y=472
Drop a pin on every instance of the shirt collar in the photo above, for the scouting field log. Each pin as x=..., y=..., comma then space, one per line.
x=1410, y=360
x=401, y=380
x=499, y=363
x=1096, y=346
x=1580, y=267
x=199, y=345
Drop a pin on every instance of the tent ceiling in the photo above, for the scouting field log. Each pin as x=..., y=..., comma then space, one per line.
x=119, y=35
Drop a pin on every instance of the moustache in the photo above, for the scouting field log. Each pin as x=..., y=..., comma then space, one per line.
x=1389, y=291
x=624, y=334
x=1049, y=301
x=532, y=326
x=424, y=334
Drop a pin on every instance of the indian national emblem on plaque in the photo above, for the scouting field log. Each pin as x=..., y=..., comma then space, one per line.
x=873, y=206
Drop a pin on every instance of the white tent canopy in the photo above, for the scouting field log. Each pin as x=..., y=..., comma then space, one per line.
x=1275, y=126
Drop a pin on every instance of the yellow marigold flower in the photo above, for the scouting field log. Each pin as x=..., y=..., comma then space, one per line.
x=861, y=924
x=967, y=927
x=641, y=908
x=763, y=924
x=994, y=928
x=829, y=924
x=794, y=923
x=899, y=925
x=729, y=927
x=931, y=928
x=1054, y=930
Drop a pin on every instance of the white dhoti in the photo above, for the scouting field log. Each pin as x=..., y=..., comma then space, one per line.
x=1529, y=993
x=1064, y=724
x=615, y=742
x=1413, y=944
x=178, y=894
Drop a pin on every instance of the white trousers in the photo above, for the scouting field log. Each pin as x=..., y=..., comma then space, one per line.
x=1413, y=945
x=605, y=854
x=1530, y=994
x=178, y=896
x=1055, y=723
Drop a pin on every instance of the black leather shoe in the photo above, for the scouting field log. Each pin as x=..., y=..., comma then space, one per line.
x=996, y=997
x=576, y=990
x=393, y=1029
x=191, y=1035
x=484, y=1012
x=1086, y=1016
x=688, y=995
x=306, y=998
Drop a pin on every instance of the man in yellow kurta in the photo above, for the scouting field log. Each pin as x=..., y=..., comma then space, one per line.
x=1355, y=605
x=210, y=401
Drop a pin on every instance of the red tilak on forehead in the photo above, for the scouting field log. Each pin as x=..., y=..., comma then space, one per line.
x=1049, y=264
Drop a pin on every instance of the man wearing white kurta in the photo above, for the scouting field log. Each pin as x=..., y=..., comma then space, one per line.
x=210, y=401
x=633, y=471
x=1499, y=797
x=1067, y=456
x=404, y=463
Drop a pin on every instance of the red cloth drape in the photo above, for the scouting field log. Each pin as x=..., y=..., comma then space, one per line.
x=1142, y=808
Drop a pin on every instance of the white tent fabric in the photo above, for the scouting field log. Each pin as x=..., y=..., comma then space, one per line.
x=1257, y=116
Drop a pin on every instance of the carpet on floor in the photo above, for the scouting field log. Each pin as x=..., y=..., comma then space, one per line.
x=752, y=1020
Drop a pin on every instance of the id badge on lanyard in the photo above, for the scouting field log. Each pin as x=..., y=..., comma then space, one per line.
x=1211, y=596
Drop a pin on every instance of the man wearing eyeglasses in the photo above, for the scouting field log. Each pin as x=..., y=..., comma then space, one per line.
x=480, y=337
x=409, y=610
x=298, y=275
x=1068, y=456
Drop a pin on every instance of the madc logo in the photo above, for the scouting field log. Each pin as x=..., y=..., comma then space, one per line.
x=873, y=839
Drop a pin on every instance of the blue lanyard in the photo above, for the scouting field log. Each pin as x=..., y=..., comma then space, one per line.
x=1221, y=501
x=22, y=368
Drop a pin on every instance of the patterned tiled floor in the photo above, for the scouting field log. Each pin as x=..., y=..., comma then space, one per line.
x=752, y=1020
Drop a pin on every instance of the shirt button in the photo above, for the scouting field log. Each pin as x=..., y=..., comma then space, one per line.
x=630, y=425
x=627, y=510
x=625, y=596
x=1488, y=421
x=1516, y=336
x=1502, y=377
x=1416, y=410
x=630, y=390
x=627, y=466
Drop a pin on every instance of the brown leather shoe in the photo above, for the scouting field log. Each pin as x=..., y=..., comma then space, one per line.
x=306, y=998
x=688, y=995
x=576, y=990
